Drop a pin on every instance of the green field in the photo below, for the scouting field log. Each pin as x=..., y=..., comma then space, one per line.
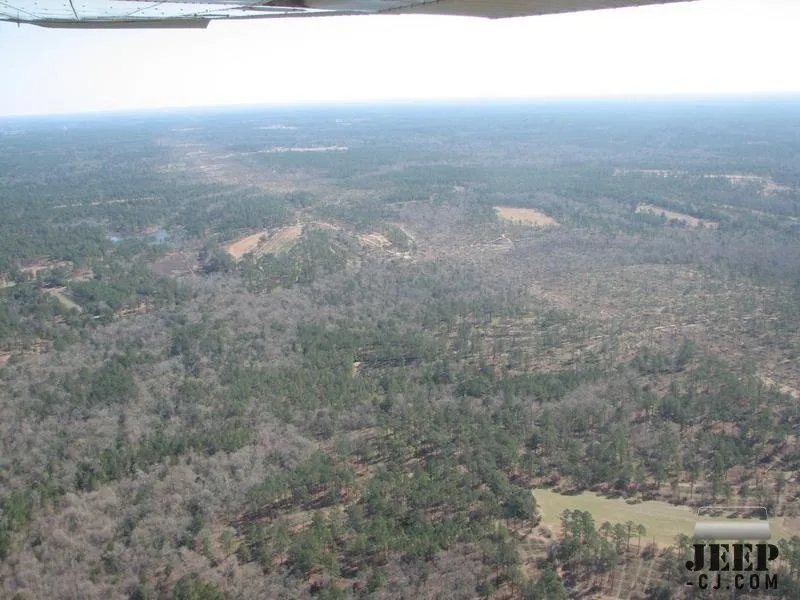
x=662, y=520
x=70, y=304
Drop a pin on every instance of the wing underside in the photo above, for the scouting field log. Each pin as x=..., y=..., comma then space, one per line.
x=168, y=13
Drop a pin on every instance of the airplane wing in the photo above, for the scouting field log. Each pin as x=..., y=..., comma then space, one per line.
x=83, y=14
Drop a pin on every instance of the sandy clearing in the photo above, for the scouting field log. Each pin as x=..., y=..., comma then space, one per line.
x=281, y=149
x=759, y=213
x=45, y=265
x=276, y=127
x=406, y=232
x=278, y=150
x=242, y=246
x=263, y=243
x=327, y=225
x=771, y=187
x=767, y=183
x=527, y=216
x=670, y=215
x=84, y=274
x=282, y=240
x=653, y=172
x=285, y=149
x=107, y=202
x=662, y=520
x=782, y=388
x=375, y=240
x=743, y=179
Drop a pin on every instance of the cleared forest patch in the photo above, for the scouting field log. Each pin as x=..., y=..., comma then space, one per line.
x=768, y=185
x=671, y=215
x=528, y=216
x=782, y=388
x=327, y=225
x=242, y=246
x=283, y=149
x=375, y=240
x=84, y=274
x=281, y=241
x=752, y=212
x=263, y=243
x=662, y=520
x=45, y=265
x=177, y=264
x=58, y=294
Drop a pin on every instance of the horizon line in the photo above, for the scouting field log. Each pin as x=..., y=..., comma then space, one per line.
x=676, y=98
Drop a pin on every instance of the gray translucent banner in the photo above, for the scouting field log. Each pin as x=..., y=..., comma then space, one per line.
x=733, y=530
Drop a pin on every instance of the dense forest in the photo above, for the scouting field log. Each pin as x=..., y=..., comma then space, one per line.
x=338, y=353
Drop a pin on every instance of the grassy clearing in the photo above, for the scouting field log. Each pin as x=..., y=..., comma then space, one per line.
x=527, y=216
x=58, y=294
x=662, y=520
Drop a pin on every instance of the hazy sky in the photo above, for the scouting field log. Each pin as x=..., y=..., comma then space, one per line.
x=710, y=46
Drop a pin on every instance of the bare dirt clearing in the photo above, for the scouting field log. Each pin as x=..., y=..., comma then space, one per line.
x=276, y=127
x=527, y=216
x=375, y=240
x=327, y=225
x=108, y=202
x=503, y=245
x=737, y=210
x=282, y=149
x=83, y=274
x=768, y=185
x=247, y=244
x=652, y=172
x=672, y=215
x=281, y=241
x=782, y=388
x=45, y=265
x=279, y=150
x=385, y=247
x=265, y=243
